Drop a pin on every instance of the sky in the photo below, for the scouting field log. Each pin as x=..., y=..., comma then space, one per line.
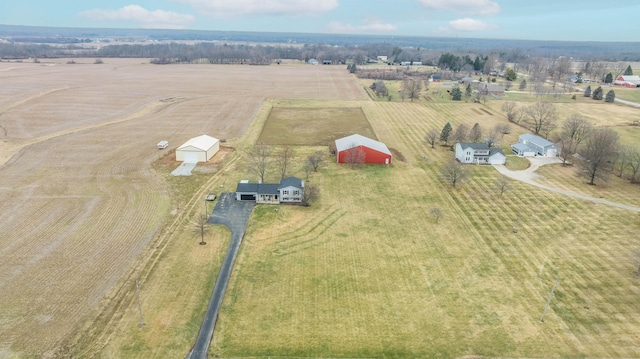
x=562, y=20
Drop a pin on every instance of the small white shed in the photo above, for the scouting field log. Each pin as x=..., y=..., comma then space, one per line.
x=198, y=149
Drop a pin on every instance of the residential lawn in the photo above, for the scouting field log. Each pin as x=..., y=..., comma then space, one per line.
x=632, y=95
x=367, y=272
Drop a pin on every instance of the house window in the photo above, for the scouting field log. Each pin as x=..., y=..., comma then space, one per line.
x=296, y=193
x=467, y=159
x=285, y=192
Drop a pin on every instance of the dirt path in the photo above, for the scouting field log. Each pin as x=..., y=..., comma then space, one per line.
x=528, y=176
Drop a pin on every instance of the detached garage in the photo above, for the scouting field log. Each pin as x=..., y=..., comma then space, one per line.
x=360, y=149
x=198, y=149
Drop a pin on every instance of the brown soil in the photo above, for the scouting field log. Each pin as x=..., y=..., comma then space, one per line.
x=79, y=202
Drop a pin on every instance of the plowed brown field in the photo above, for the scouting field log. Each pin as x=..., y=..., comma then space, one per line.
x=79, y=203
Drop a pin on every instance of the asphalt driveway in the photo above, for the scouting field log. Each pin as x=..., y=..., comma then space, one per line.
x=235, y=215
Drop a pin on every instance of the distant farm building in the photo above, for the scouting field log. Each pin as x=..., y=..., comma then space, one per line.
x=531, y=145
x=382, y=58
x=313, y=61
x=360, y=149
x=627, y=81
x=436, y=78
x=289, y=190
x=479, y=153
x=326, y=62
x=491, y=89
x=198, y=149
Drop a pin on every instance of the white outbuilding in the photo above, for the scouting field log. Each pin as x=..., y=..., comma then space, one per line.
x=198, y=149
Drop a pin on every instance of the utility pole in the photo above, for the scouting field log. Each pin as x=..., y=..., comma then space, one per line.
x=546, y=307
x=141, y=323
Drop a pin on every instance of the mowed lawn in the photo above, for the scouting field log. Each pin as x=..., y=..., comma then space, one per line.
x=368, y=272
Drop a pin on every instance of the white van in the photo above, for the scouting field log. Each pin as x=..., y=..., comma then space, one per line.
x=163, y=144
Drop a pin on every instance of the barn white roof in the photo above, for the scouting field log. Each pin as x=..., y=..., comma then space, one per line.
x=356, y=140
x=202, y=142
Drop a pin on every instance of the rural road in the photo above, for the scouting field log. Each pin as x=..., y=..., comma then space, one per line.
x=235, y=215
x=528, y=176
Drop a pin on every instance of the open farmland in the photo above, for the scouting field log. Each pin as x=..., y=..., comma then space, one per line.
x=80, y=205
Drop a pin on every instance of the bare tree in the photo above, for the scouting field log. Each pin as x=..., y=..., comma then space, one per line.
x=453, y=172
x=461, y=132
x=284, y=156
x=623, y=157
x=475, y=135
x=566, y=150
x=354, y=156
x=492, y=138
x=411, y=88
x=502, y=184
x=259, y=159
x=201, y=226
x=436, y=212
x=576, y=129
x=540, y=117
x=432, y=137
x=634, y=165
x=599, y=148
x=315, y=160
x=510, y=109
x=310, y=194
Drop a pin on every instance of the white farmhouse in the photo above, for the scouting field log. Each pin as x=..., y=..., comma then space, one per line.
x=479, y=153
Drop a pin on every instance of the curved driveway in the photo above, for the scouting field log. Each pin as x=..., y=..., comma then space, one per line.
x=235, y=215
x=528, y=176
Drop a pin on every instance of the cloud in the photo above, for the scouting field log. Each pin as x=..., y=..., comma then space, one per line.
x=158, y=19
x=466, y=25
x=371, y=25
x=478, y=7
x=232, y=8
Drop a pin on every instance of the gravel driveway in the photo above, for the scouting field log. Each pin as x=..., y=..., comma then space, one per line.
x=528, y=176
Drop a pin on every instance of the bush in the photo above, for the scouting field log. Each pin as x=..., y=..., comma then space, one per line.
x=611, y=96
x=597, y=93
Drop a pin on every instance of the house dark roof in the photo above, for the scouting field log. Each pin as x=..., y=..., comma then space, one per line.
x=475, y=146
x=494, y=150
x=291, y=182
x=269, y=188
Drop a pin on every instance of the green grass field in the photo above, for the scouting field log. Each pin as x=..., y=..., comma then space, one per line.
x=367, y=272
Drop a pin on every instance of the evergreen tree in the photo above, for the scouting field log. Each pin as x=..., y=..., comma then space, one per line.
x=611, y=96
x=608, y=79
x=510, y=74
x=444, y=135
x=456, y=94
x=628, y=71
x=523, y=84
x=587, y=91
x=597, y=93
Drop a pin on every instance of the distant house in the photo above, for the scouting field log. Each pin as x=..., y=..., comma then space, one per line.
x=313, y=61
x=479, y=153
x=367, y=150
x=198, y=149
x=382, y=58
x=436, y=78
x=531, y=145
x=627, y=81
x=326, y=62
x=289, y=190
x=491, y=89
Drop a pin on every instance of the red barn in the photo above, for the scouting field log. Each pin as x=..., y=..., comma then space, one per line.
x=628, y=81
x=360, y=149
